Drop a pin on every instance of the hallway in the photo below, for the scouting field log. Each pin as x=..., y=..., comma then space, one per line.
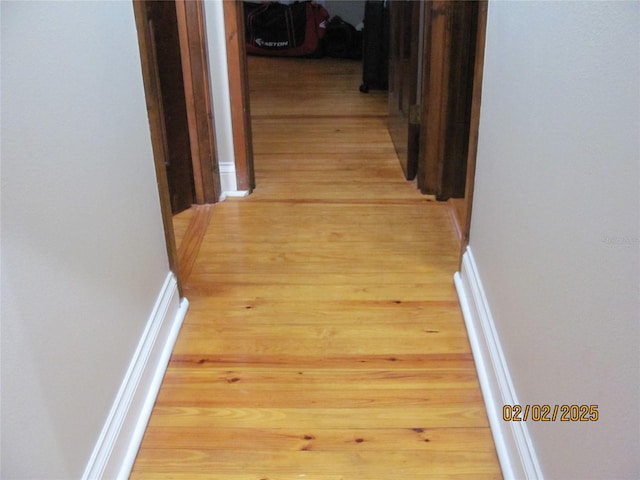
x=324, y=338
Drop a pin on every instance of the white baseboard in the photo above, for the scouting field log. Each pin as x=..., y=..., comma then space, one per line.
x=513, y=444
x=118, y=444
x=228, y=182
x=234, y=194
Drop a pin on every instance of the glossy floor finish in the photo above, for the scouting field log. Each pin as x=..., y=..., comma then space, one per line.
x=324, y=339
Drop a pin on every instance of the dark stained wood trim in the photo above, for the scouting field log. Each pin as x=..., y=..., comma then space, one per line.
x=447, y=98
x=239, y=94
x=475, y=122
x=156, y=119
x=425, y=89
x=195, y=66
x=403, y=82
x=435, y=95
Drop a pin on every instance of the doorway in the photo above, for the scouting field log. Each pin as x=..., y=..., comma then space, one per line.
x=175, y=71
x=286, y=87
x=440, y=127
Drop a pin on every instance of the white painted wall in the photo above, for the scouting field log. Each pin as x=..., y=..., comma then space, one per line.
x=555, y=229
x=83, y=253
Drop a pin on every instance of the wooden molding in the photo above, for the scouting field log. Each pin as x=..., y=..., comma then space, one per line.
x=475, y=123
x=435, y=97
x=239, y=95
x=156, y=125
x=450, y=28
x=405, y=44
x=197, y=86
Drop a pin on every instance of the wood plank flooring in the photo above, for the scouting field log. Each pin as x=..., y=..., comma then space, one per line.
x=324, y=338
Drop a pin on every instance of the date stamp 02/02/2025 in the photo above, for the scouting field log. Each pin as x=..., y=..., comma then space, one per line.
x=550, y=413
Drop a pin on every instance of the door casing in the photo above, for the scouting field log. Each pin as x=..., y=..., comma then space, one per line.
x=474, y=126
x=197, y=85
x=404, y=83
x=163, y=27
x=195, y=67
x=448, y=72
x=239, y=95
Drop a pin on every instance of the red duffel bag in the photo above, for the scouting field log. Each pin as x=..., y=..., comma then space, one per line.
x=277, y=29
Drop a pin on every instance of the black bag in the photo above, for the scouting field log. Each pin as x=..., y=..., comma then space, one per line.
x=375, y=49
x=277, y=29
x=342, y=40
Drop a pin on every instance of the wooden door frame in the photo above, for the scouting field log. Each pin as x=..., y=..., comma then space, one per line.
x=404, y=127
x=238, y=73
x=435, y=137
x=197, y=86
x=474, y=129
x=195, y=65
x=450, y=34
x=150, y=78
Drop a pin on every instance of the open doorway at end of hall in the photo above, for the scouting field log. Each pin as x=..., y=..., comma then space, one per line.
x=437, y=88
x=435, y=72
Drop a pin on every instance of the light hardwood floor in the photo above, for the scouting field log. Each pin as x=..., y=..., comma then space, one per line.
x=324, y=338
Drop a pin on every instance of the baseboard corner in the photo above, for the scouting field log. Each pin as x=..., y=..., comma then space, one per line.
x=234, y=194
